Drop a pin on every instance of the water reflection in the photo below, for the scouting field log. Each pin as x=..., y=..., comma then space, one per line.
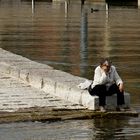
x=70, y=37
x=73, y=39
x=33, y=6
x=106, y=129
x=124, y=3
x=84, y=40
x=109, y=132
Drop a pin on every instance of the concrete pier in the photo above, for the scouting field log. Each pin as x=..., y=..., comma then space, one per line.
x=34, y=91
x=55, y=82
x=16, y=95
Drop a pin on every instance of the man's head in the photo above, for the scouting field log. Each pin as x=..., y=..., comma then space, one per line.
x=105, y=64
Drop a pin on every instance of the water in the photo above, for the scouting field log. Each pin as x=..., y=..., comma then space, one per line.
x=97, y=129
x=72, y=38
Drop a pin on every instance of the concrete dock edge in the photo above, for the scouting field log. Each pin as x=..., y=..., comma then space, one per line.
x=48, y=79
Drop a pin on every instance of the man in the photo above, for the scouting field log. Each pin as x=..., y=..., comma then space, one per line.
x=106, y=83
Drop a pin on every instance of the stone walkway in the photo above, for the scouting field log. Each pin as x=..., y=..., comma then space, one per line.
x=28, y=90
x=21, y=102
x=15, y=94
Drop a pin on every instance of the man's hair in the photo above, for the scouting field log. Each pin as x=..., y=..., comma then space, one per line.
x=103, y=60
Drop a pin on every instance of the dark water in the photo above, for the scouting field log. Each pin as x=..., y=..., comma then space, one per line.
x=97, y=129
x=73, y=38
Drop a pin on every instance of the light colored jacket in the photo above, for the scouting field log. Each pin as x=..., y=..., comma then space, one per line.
x=101, y=78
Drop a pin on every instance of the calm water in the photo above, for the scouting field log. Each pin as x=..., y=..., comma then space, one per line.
x=72, y=38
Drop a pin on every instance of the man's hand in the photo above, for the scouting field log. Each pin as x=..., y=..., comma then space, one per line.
x=121, y=87
x=105, y=68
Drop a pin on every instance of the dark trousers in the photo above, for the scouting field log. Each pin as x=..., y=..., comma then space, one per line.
x=102, y=92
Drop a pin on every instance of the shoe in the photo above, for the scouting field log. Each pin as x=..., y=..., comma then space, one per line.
x=102, y=109
x=120, y=108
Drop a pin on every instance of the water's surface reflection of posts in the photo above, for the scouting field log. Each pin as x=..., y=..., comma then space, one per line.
x=67, y=2
x=84, y=39
x=138, y=3
x=82, y=2
x=33, y=5
x=107, y=33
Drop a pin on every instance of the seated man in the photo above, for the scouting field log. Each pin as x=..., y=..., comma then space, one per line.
x=106, y=83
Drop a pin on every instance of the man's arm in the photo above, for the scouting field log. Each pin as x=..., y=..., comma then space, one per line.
x=118, y=80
